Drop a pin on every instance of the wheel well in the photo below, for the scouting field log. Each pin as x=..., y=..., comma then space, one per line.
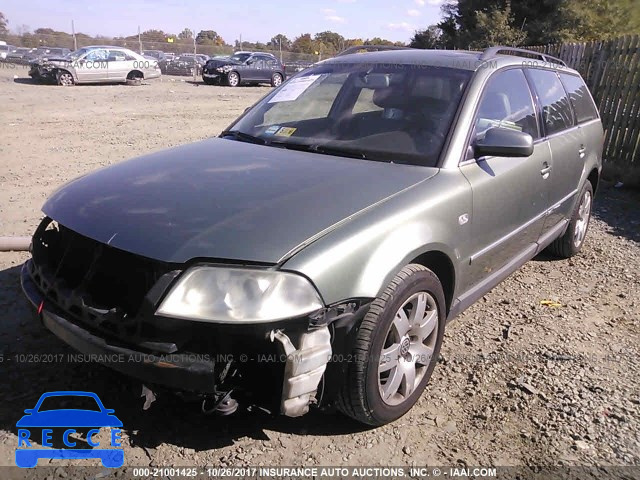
x=594, y=177
x=135, y=74
x=440, y=264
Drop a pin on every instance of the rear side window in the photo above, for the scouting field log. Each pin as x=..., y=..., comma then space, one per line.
x=556, y=110
x=507, y=103
x=579, y=97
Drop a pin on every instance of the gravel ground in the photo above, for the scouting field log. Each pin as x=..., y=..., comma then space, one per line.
x=519, y=382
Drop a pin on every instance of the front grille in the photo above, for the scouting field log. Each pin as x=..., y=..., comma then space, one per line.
x=94, y=282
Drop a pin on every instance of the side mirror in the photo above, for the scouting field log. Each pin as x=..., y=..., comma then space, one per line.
x=29, y=411
x=504, y=142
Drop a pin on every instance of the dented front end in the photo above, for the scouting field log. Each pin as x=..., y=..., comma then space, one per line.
x=103, y=301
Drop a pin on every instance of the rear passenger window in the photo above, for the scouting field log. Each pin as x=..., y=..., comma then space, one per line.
x=579, y=97
x=556, y=110
x=507, y=103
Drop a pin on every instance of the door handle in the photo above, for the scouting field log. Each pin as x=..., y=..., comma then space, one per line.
x=582, y=151
x=546, y=170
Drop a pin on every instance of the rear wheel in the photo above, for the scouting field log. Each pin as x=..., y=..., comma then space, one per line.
x=134, y=78
x=276, y=80
x=396, y=348
x=233, y=79
x=65, y=78
x=572, y=241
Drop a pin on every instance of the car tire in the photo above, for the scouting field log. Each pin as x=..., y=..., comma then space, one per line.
x=64, y=78
x=276, y=80
x=376, y=392
x=233, y=79
x=571, y=242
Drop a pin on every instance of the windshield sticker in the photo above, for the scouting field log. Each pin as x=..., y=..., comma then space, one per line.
x=286, y=131
x=271, y=130
x=294, y=88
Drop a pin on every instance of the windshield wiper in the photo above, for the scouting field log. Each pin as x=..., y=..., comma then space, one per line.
x=243, y=137
x=319, y=148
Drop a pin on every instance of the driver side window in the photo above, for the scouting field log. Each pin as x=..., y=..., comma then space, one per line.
x=506, y=103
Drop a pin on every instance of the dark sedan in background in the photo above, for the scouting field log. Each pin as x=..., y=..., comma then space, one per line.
x=244, y=68
x=184, y=65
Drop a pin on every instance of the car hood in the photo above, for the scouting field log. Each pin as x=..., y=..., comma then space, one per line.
x=224, y=199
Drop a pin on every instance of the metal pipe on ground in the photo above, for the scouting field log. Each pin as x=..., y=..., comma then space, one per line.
x=15, y=244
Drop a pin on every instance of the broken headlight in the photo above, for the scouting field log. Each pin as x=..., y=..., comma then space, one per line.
x=217, y=294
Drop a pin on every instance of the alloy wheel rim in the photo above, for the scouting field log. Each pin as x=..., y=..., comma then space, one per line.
x=66, y=79
x=408, y=348
x=233, y=79
x=582, y=222
x=277, y=80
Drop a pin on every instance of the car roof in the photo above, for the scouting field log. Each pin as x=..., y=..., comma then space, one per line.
x=460, y=59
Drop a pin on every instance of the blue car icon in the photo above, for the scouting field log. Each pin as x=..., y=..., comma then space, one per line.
x=95, y=417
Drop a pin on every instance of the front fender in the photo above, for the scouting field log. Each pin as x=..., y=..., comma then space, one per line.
x=361, y=257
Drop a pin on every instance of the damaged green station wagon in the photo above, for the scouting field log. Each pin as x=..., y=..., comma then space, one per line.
x=314, y=252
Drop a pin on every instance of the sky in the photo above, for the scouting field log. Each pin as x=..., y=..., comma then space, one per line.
x=256, y=20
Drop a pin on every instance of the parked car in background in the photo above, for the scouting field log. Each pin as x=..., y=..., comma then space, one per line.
x=96, y=64
x=244, y=68
x=17, y=55
x=35, y=53
x=291, y=68
x=55, y=52
x=184, y=65
x=216, y=254
x=4, y=51
x=159, y=56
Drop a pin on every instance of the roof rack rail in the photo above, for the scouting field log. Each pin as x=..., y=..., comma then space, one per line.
x=370, y=48
x=493, y=51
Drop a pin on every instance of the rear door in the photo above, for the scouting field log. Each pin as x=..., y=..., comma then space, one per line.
x=510, y=195
x=121, y=63
x=566, y=143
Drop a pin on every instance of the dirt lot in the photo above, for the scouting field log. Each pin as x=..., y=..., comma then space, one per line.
x=519, y=383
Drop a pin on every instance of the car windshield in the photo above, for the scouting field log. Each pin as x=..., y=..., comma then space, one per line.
x=240, y=57
x=395, y=113
x=69, y=402
x=77, y=53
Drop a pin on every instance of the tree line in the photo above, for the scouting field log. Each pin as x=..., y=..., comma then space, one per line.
x=323, y=43
x=477, y=24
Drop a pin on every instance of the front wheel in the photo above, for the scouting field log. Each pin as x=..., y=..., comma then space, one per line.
x=276, y=80
x=65, y=78
x=572, y=241
x=233, y=79
x=396, y=348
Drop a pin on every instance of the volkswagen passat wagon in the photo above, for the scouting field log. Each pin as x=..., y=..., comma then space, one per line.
x=312, y=254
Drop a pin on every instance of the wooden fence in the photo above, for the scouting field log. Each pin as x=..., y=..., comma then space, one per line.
x=612, y=72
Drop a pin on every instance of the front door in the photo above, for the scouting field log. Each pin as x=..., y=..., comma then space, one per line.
x=94, y=67
x=510, y=195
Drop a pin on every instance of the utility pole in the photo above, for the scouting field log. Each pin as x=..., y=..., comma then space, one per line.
x=139, y=40
x=195, y=60
x=75, y=40
x=280, y=49
x=240, y=41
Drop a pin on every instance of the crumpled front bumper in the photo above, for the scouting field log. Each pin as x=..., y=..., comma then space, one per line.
x=179, y=371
